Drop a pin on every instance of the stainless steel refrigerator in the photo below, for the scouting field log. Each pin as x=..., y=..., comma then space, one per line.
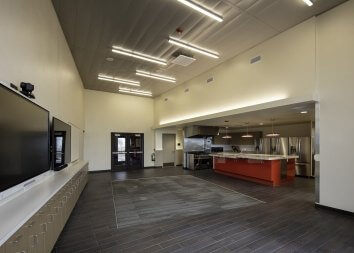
x=274, y=146
x=301, y=146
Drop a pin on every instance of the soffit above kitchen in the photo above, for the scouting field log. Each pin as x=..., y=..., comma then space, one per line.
x=92, y=27
x=282, y=115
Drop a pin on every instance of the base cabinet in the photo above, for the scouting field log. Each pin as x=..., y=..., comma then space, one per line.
x=18, y=242
x=40, y=233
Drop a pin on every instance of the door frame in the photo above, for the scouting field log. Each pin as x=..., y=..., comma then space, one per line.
x=128, y=145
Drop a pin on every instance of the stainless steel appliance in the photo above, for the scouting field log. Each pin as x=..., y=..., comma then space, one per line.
x=200, y=131
x=274, y=146
x=196, y=153
x=197, y=144
x=198, y=160
x=301, y=146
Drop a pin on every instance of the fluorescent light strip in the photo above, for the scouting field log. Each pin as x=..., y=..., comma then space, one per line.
x=308, y=2
x=141, y=56
x=133, y=90
x=156, y=76
x=136, y=92
x=118, y=80
x=202, y=9
x=193, y=47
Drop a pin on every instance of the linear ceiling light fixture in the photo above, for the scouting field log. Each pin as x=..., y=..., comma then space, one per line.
x=135, y=92
x=138, y=55
x=308, y=2
x=198, y=7
x=118, y=80
x=192, y=47
x=156, y=76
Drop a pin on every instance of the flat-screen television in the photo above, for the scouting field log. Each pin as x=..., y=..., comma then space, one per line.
x=61, y=144
x=24, y=139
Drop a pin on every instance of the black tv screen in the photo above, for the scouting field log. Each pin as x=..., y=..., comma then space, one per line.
x=61, y=142
x=24, y=139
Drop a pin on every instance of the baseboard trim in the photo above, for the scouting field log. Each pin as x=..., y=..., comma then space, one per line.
x=152, y=167
x=317, y=205
x=309, y=177
x=98, y=171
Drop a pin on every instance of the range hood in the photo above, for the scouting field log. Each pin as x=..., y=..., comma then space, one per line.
x=200, y=131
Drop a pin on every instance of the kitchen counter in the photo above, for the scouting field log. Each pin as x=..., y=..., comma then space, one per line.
x=253, y=156
x=273, y=170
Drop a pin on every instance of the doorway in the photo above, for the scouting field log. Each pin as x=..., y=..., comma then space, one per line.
x=127, y=151
x=169, y=149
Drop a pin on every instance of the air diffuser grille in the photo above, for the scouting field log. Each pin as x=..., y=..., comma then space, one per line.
x=183, y=60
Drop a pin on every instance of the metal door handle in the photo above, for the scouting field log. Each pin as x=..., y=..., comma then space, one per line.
x=119, y=152
x=136, y=152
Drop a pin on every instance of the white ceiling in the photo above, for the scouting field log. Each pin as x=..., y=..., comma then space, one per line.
x=93, y=26
x=283, y=115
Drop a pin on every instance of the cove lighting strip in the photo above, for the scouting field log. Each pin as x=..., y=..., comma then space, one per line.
x=141, y=56
x=156, y=76
x=136, y=92
x=308, y=2
x=239, y=105
x=202, y=9
x=192, y=47
x=118, y=80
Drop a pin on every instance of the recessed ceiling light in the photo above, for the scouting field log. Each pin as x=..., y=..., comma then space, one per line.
x=109, y=59
x=118, y=80
x=192, y=47
x=308, y=2
x=304, y=112
x=156, y=76
x=138, y=55
x=198, y=7
x=135, y=92
x=261, y=124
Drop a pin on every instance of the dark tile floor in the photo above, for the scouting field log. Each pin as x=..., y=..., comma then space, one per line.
x=148, y=200
x=287, y=222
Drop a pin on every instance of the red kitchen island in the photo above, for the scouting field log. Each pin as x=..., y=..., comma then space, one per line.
x=271, y=170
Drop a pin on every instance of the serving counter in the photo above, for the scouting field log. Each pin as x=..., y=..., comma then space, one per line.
x=271, y=170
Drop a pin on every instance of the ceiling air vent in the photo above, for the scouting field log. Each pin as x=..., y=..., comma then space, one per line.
x=183, y=60
x=209, y=80
x=255, y=59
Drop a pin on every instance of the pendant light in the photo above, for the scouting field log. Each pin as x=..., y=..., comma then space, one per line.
x=247, y=135
x=273, y=134
x=226, y=136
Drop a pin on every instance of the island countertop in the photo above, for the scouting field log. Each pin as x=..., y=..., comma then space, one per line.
x=253, y=156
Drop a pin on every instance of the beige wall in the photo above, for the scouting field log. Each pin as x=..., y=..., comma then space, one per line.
x=109, y=112
x=287, y=70
x=168, y=130
x=335, y=54
x=290, y=130
x=33, y=49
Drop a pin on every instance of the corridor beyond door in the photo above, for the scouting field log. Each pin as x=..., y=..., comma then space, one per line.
x=169, y=149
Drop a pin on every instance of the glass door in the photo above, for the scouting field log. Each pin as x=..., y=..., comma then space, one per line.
x=127, y=151
x=136, y=154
